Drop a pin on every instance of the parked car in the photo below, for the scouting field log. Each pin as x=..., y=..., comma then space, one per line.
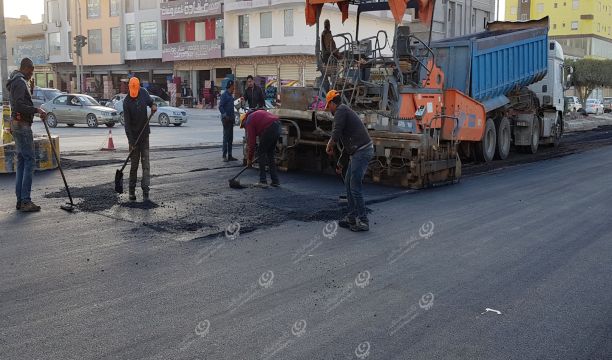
x=43, y=95
x=164, y=116
x=594, y=106
x=607, y=104
x=572, y=103
x=72, y=109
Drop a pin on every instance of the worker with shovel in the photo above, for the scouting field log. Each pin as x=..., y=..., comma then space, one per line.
x=22, y=116
x=266, y=126
x=349, y=129
x=136, y=122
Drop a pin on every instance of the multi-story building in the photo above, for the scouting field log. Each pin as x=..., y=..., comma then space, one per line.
x=58, y=40
x=582, y=27
x=28, y=40
x=460, y=17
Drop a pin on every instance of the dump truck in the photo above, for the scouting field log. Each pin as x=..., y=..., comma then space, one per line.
x=428, y=106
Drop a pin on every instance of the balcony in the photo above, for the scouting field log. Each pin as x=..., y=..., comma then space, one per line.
x=195, y=50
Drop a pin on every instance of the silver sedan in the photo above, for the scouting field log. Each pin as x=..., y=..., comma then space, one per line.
x=164, y=116
x=72, y=109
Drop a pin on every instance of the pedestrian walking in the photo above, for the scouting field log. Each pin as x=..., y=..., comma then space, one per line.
x=22, y=117
x=254, y=95
x=350, y=130
x=226, y=108
x=266, y=126
x=136, y=121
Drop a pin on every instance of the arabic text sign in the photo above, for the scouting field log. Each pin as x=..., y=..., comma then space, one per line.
x=189, y=8
x=191, y=51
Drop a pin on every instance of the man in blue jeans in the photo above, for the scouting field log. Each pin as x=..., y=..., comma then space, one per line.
x=226, y=108
x=22, y=116
x=349, y=130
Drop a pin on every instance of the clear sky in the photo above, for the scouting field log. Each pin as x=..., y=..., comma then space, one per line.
x=34, y=9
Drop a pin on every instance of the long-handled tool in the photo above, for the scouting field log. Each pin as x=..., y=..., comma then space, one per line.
x=119, y=173
x=234, y=183
x=69, y=206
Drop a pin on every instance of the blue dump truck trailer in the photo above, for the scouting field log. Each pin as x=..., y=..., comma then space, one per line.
x=517, y=74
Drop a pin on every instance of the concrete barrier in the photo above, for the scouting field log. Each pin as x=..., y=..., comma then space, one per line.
x=42, y=152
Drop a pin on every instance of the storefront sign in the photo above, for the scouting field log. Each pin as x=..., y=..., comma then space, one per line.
x=34, y=50
x=182, y=9
x=191, y=51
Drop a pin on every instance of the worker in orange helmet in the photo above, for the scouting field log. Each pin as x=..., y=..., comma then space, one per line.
x=136, y=121
x=352, y=133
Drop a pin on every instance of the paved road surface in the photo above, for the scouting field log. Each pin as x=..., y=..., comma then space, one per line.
x=202, y=128
x=163, y=281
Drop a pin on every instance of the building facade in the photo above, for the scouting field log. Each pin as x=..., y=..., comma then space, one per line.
x=58, y=40
x=582, y=27
x=25, y=39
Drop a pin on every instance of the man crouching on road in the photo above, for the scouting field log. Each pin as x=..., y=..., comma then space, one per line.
x=136, y=121
x=22, y=116
x=349, y=129
x=267, y=126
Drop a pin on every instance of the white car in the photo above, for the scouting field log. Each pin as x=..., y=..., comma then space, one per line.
x=164, y=116
x=594, y=106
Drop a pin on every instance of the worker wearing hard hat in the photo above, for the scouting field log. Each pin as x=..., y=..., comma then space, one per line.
x=266, y=126
x=352, y=133
x=136, y=122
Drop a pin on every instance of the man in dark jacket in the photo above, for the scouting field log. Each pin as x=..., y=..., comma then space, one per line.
x=254, y=95
x=349, y=129
x=136, y=122
x=266, y=126
x=22, y=116
x=228, y=117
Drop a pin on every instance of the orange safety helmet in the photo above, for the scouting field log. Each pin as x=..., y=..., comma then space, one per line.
x=331, y=95
x=134, y=86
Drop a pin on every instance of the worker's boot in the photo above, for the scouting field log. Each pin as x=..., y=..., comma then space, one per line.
x=29, y=207
x=360, y=225
x=132, y=194
x=145, y=195
x=18, y=206
x=347, y=222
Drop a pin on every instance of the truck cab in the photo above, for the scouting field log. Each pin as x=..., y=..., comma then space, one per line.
x=550, y=89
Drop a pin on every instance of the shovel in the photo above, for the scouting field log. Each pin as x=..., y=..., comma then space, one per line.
x=234, y=183
x=119, y=173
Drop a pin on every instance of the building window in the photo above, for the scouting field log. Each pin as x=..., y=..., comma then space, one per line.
x=115, y=40
x=70, y=44
x=555, y=6
x=130, y=37
x=148, y=35
x=94, y=41
x=55, y=46
x=182, y=32
x=243, y=31
x=114, y=7
x=129, y=6
x=200, y=31
x=554, y=26
x=574, y=25
x=289, y=22
x=598, y=27
x=575, y=4
x=53, y=13
x=147, y=4
x=265, y=25
x=93, y=9
x=219, y=29
x=513, y=10
x=540, y=7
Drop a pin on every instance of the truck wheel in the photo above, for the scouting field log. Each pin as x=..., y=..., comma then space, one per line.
x=502, y=127
x=485, y=149
x=532, y=148
x=558, y=131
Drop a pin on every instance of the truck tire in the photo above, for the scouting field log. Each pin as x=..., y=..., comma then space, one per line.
x=559, y=131
x=532, y=148
x=485, y=149
x=502, y=127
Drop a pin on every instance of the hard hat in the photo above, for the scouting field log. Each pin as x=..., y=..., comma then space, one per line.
x=134, y=86
x=331, y=95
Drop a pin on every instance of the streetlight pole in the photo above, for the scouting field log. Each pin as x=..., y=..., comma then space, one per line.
x=3, y=53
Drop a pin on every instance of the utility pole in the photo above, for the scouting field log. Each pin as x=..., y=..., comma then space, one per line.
x=79, y=50
x=3, y=53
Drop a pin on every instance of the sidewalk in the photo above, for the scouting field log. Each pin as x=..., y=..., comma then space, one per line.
x=586, y=123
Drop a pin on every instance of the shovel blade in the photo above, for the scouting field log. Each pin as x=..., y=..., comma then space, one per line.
x=119, y=182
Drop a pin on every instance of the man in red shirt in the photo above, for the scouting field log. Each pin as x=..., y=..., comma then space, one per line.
x=266, y=126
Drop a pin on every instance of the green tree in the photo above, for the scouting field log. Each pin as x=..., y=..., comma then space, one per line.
x=590, y=74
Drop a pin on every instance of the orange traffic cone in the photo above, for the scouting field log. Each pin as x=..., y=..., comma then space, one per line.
x=110, y=146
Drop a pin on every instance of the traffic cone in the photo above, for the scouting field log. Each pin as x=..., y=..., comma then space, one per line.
x=110, y=146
